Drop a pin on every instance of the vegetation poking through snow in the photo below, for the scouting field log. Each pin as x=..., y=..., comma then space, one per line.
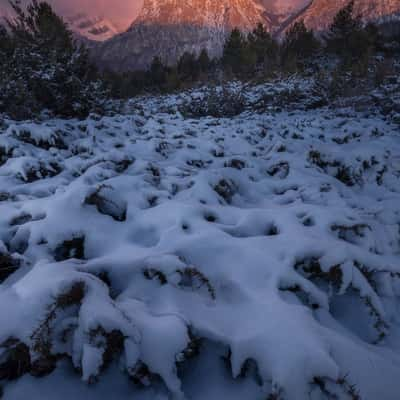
x=170, y=245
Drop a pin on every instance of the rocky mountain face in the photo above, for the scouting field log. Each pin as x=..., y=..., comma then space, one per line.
x=320, y=13
x=283, y=6
x=170, y=27
x=210, y=13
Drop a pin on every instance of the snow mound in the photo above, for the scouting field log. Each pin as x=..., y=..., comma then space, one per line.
x=251, y=257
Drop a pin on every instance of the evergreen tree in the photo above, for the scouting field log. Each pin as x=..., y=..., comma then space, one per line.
x=5, y=41
x=204, y=61
x=348, y=39
x=188, y=68
x=45, y=69
x=5, y=49
x=40, y=26
x=173, y=81
x=373, y=34
x=157, y=73
x=299, y=45
x=234, y=54
x=344, y=26
x=263, y=45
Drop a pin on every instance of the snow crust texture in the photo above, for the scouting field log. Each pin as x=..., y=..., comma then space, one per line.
x=256, y=257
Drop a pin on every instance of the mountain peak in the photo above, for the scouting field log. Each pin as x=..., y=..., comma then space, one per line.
x=168, y=28
x=206, y=13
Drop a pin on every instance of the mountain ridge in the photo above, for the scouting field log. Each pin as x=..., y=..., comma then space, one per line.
x=320, y=13
x=168, y=28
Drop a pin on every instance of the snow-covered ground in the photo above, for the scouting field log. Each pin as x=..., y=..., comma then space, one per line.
x=152, y=256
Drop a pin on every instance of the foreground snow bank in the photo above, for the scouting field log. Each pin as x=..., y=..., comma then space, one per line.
x=253, y=257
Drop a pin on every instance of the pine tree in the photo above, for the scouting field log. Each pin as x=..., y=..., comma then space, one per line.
x=348, y=39
x=234, y=52
x=5, y=40
x=343, y=27
x=45, y=69
x=188, y=69
x=299, y=45
x=204, y=61
x=263, y=45
x=173, y=81
x=157, y=75
x=40, y=26
x=5, y=47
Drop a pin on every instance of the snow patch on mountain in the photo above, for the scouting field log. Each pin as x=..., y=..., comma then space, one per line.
x=95, y=28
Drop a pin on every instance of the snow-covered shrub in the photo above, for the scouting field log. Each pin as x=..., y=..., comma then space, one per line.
x=344, y=173
x=8, y=264
x=222, y=102
x=108, y=203
x=253, y=257
x=37, y=135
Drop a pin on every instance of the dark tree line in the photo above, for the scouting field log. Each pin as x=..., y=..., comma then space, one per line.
x=42, y=68
x=161, y=77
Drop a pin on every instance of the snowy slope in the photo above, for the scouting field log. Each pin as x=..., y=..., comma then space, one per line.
x=251, y=258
